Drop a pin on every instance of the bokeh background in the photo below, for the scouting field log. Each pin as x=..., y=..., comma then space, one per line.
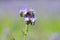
x=12, y=25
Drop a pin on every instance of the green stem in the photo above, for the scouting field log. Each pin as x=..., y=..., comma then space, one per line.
x=25, y=33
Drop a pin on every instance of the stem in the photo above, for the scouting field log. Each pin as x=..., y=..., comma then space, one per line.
x=25, y=33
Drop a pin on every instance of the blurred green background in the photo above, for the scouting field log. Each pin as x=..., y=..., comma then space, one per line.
x=12, y=25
